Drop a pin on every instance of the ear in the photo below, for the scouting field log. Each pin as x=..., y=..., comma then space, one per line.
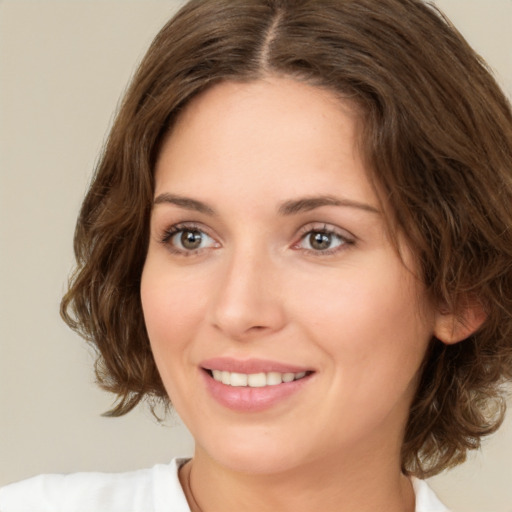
x=450, y=328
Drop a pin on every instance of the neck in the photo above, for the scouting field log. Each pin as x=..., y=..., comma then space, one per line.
x=331, y=484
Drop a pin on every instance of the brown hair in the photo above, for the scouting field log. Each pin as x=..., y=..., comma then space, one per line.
x=437, y=137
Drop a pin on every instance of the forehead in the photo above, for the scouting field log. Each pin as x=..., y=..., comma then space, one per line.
x=266, y=128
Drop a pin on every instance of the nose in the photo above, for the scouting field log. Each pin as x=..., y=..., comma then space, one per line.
x=249, y=300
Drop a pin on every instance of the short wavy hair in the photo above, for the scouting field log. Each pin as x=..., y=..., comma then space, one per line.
x=436, y=134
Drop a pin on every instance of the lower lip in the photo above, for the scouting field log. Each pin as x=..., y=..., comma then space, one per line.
x=247, y=399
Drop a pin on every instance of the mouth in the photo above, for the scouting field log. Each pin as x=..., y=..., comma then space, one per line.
x=253, y=385
x=255, y=380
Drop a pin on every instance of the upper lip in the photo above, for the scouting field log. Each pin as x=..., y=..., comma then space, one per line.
x=249, y=366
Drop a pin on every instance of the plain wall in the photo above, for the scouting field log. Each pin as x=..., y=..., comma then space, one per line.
x=63, y=68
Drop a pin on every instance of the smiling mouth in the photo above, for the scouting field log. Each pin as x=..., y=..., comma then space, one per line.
x=255, y=380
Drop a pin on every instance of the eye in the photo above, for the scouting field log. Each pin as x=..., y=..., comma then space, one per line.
x=187, y=239
x=322, y=241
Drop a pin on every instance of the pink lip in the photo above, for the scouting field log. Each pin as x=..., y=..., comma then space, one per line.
x=229, y=364
x=247, y=399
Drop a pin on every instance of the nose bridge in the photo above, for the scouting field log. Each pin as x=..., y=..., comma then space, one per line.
x=247, y=299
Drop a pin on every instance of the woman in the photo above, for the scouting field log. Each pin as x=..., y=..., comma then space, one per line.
x=299, y=234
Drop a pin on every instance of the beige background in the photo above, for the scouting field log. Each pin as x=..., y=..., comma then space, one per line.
x=63, y=67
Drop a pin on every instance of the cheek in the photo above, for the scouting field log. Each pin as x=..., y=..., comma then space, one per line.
x=172, y=309
x=368, y=317
x=170, y=314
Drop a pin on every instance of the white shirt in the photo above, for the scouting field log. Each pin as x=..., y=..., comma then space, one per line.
x=156, y=489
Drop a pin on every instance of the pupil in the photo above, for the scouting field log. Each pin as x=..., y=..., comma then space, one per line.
x=191, y=239
x=320, y=241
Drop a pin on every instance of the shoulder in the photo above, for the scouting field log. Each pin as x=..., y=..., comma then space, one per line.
x=426, y=499
x=147, y=490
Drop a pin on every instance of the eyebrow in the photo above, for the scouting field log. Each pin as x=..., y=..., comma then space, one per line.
x=306, y=204
x=185, y=202
x=291, y=207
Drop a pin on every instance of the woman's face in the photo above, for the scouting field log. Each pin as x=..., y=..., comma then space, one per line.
x=284, y=325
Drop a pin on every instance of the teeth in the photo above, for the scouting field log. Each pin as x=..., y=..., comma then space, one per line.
x=274, y=378
x=238, y=379
x=255, y=380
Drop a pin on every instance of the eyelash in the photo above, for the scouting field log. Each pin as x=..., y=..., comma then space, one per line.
x=182, y=227
x=345, y=239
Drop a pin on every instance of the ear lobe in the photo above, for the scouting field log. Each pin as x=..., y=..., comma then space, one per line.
x=450, y=328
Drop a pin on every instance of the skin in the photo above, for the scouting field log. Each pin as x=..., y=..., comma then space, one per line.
x=256, y=287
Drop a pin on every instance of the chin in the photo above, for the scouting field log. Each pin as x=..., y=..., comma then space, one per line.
x=256, y=463
x=255, y=457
